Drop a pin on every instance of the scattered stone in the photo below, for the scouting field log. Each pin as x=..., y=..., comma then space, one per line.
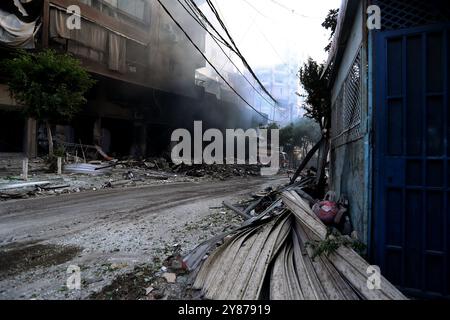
x=158, y=295
x=116, y=266
x=93, y=280
x=150, y=165
x=170, y=277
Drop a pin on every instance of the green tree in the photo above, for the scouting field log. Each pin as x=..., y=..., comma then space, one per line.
x=330, y=23
x=314, y=79
x=304, y=133
x=287, y=135
x=50, y=86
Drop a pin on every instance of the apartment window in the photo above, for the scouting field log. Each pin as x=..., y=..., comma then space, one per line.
x=132, y=8
x=136, y=8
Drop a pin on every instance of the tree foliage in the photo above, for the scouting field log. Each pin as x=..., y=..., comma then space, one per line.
x=330, y=23
x=50, y=86
x=318, y=98
x=304, y=134
x=304, y=131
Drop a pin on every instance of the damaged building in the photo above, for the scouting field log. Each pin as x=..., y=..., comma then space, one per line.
x=144, y=66
x=390, y=136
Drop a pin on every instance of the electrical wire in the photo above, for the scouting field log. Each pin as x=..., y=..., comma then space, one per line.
x=246, y=64
x=210, y=63
x=191, y=12
x=228, y=57
x=292, y=10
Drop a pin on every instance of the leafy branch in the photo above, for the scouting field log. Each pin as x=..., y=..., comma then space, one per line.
x=333, y=241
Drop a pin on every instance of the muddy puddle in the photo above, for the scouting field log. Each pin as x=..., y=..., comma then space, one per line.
x=18, y=258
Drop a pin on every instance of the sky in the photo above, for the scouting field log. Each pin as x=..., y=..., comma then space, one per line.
x=270, y=32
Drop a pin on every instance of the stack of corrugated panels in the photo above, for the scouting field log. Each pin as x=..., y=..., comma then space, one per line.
x=270, y=259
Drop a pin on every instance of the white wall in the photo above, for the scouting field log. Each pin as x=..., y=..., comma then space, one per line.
x=353, y=45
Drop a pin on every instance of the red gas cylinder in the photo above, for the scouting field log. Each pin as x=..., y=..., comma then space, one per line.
x=326, y=211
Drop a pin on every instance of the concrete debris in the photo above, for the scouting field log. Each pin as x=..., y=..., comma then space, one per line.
x=237, y=210
x=128, y=175
x=284, y=253
x=175, y=263
x=98, y=174
x=56, y=187
x=10, y=186
x=85, y=168
x=220, y=172
x=170, y=277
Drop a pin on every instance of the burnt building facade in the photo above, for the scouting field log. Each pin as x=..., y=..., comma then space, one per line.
x=144, y=66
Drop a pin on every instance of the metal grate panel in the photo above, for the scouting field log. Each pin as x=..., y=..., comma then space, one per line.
x=347, y=110
x=403, y=14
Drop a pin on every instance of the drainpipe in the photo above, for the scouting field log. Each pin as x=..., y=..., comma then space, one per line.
x=368, y=143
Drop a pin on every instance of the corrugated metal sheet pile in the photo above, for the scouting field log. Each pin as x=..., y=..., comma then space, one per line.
x=270, y=257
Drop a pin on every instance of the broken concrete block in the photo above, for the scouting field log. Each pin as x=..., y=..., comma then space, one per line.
x=150, y=165
x=170, y=277
x=148, y=290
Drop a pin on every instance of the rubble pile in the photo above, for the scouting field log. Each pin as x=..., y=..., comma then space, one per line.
x=220, y=172
x=96, y=175
x=284, y=251
x=214, y=171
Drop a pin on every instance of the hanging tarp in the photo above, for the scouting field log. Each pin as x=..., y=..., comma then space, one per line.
x=16, y=33
x=117, y=53
x=90, y=35
x=91, y=41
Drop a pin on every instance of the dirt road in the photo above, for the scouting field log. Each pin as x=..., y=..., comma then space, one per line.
x=108, y=233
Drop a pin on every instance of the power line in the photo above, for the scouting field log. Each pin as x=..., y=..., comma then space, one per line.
x=276, y=52
x=229, y=58
x=209, y=62
x=292, y=10
x=256, y=9
x=195, y=8
x=199, y=21
x=246, y=64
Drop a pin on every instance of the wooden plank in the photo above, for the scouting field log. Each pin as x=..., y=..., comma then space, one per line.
x=237, y=210
x=305, y=161
x=253, y=206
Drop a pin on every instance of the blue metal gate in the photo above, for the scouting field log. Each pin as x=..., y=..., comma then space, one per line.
x=412, y=148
